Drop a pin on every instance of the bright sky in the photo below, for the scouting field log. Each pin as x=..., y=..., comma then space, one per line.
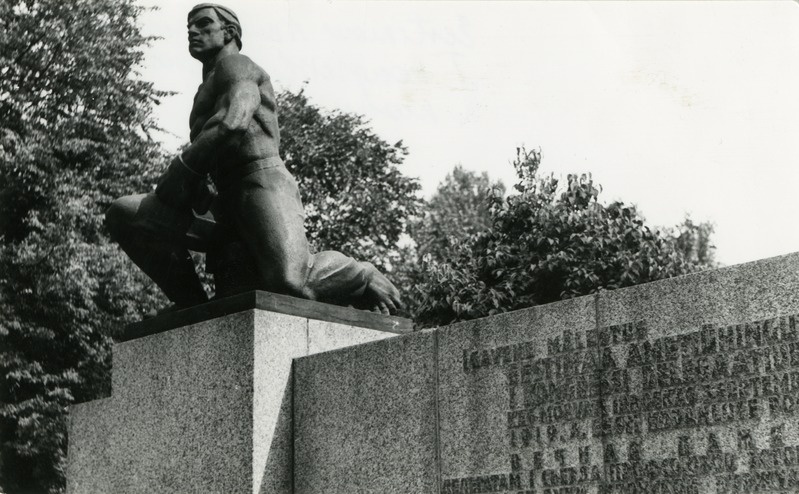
x=678, y=107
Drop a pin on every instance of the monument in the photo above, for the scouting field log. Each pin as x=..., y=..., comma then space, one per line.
x=686, y=385
x=259, y=239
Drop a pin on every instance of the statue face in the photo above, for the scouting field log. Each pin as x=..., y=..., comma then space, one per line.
x=206, y=34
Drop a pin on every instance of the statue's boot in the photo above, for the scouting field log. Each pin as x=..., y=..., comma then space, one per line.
x=177, y=278
x=173, y=272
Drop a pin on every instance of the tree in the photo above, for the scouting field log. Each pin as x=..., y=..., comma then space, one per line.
x=74, y=123
x=551, y=241
x=356, y=199
x=693, y=240
x=456, y=211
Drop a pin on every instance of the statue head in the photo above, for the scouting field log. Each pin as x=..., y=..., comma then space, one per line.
x=211, y=27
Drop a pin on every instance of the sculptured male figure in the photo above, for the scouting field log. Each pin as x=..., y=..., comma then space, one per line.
x=235, y=138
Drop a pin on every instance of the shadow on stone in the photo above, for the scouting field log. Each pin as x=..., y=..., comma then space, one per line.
x=277, y=475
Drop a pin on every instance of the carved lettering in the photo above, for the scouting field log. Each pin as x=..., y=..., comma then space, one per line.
x=574, y=393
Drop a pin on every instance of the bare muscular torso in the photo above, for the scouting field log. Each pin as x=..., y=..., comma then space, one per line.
x=262, y=137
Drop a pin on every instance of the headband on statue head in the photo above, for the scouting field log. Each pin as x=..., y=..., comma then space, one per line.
x=225, y=14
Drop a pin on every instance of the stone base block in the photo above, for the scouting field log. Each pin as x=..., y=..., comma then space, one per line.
x=365, y=418
x=206, y=407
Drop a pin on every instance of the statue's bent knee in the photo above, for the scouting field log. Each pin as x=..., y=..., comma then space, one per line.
x=120, y=214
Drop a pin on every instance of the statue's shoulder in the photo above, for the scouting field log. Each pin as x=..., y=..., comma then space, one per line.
x=238, y=67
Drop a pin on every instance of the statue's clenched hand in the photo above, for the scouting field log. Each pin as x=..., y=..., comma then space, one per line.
x=178, y=185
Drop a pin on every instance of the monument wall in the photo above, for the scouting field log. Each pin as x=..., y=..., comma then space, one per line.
x=688, y=385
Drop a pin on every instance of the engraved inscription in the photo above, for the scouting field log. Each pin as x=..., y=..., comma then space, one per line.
x=613, y=410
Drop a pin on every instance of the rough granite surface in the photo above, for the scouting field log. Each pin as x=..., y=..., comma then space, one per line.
x=365, y=418
x=274, y=349
x=715, y=375
x=475, y=392
x=682, y=385
x=180, y=414
x=203, y=408
x=687, y=385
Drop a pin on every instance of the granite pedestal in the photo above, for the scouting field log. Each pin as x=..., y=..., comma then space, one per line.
x=202, y=399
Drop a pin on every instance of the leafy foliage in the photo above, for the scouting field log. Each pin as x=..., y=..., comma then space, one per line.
x=455, y=212
x=694, y=241
x=356, y=199
x=74, y=118
x=552, y=241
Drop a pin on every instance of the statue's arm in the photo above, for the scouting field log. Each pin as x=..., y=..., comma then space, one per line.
x=236, y=84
